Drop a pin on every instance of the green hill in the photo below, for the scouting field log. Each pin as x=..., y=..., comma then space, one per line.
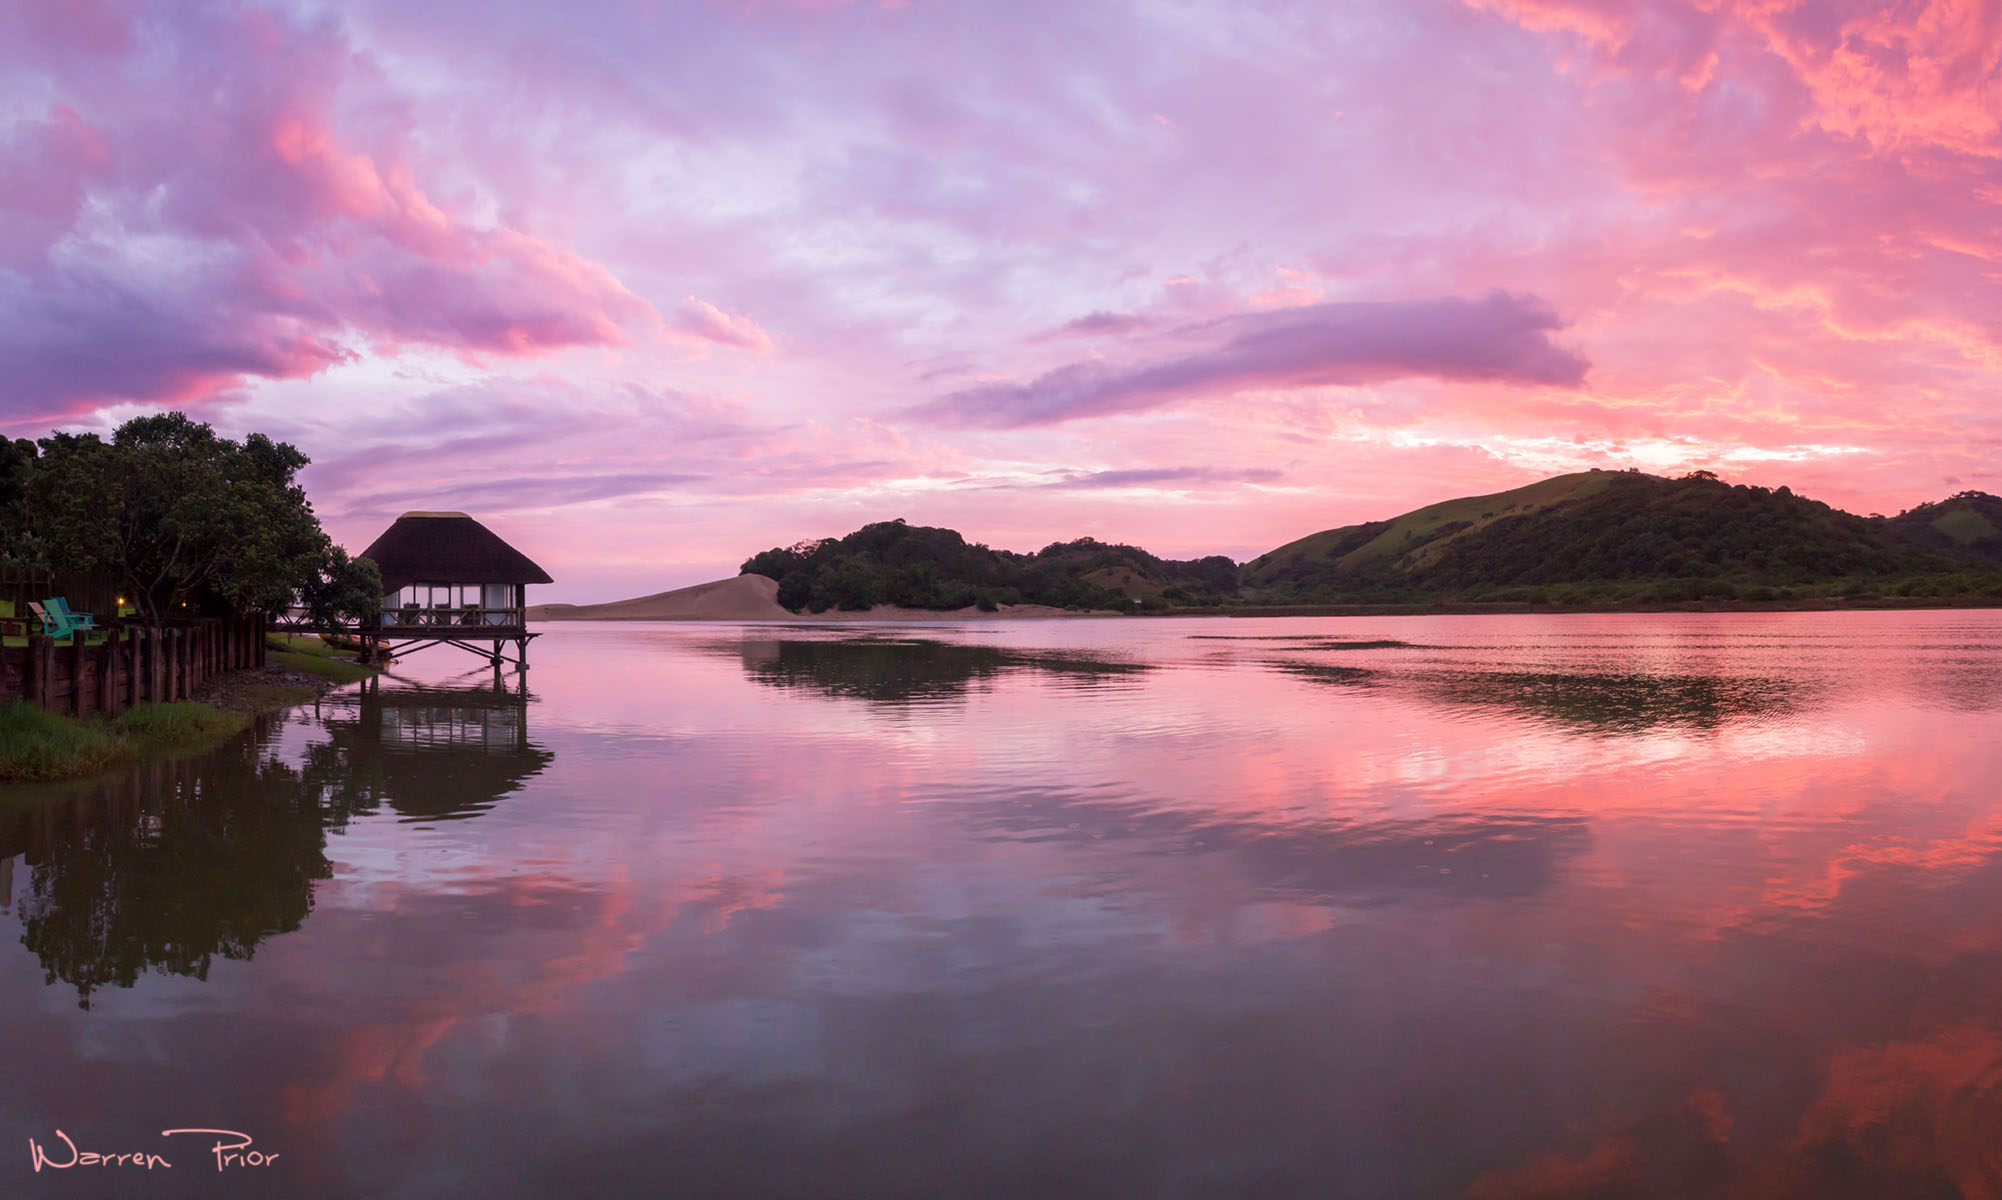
x=1601, y=538
x=1621, y=536
x=1414, y=538
x=1970, y=522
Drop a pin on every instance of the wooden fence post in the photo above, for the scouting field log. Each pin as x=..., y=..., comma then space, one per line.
x=31, y=685
x=42, y=653
x=78, y=649
x=156, y=688
x=114, y=662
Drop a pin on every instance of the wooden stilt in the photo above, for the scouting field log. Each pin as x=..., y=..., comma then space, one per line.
x=78, y=692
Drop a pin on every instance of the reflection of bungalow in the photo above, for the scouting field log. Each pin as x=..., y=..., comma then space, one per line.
x=440, y=753
x=449, y=580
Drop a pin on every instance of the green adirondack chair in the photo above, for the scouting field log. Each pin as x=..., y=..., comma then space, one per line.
x=51, y=625
x=60, y=607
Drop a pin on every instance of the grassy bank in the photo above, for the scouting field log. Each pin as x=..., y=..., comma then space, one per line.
x=36, y=745
x=311, y=656
x=39, y=746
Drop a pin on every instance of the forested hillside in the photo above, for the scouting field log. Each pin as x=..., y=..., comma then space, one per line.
x=920, y=566
x=1609, y=536
x=1603, y=538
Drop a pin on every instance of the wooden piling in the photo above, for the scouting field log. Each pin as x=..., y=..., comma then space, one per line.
x=156, y=664
x=42, y=658
x=114, y=664
x=133, y=664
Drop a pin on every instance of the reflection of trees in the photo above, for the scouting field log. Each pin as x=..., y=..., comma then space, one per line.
x=1326, y=672
x=174, y=862
x=168, y=866
x=905, y=670
x=1614, y=703
x=1969, y=684
x=430, y=753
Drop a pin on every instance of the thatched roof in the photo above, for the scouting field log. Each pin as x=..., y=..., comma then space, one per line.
x=448, y=547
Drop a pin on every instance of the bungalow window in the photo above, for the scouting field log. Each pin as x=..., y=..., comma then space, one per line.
x=496, y=598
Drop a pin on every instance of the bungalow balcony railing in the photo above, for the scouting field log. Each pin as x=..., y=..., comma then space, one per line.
x=472, y=620
x=410, y=617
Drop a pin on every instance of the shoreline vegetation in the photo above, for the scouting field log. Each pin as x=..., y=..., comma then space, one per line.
x=1592, y=541
x=166, y=521
x=890, y=613
x=37, y=746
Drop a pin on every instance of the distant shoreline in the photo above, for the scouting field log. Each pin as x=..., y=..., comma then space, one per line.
x=886, y=613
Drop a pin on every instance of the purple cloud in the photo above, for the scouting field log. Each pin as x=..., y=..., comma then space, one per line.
x=704, y=320
x=1098, y=324
x=221, y=200
x=1501, y=336
x=1155, y=476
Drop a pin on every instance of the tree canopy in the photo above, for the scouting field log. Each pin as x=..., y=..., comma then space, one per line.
x=922, y=566
x=186, y=521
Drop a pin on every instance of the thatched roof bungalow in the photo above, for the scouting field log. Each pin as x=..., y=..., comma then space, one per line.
x=445, y=567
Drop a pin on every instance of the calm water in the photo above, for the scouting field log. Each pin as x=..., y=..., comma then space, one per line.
x=1499, y=907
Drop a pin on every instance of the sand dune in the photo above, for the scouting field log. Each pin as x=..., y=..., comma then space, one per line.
x=755, y=598
x=744, y=598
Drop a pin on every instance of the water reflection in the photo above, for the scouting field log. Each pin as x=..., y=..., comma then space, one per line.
x=1537, y=907
x=174, y=863
x=169, y=866
x=892, y=670
x=430, y=752
x=1450, y=856
x=1603, y=702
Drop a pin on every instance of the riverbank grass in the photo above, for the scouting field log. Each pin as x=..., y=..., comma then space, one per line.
x=309, y=655
x=180, y=725
x=37, y=746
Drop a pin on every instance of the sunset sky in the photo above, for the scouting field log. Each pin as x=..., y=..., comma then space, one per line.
x=650, y=286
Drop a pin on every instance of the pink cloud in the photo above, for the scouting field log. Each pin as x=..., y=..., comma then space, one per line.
x=704, y=320
x=245, y=224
